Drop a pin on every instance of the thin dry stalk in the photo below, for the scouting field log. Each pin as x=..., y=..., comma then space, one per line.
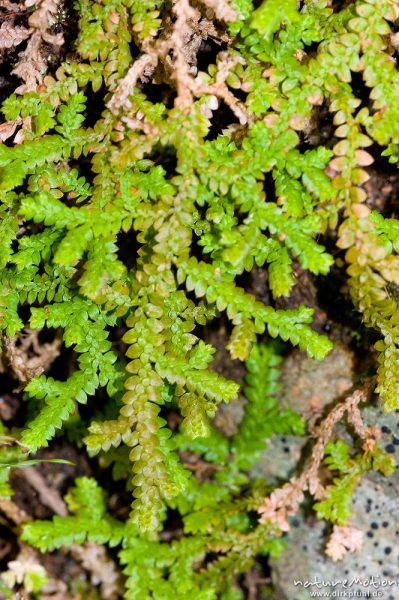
x=27, y=357
x=285, y=501
x=32, y=65
x=178, y=43
x=11, y=35
x=221, y=9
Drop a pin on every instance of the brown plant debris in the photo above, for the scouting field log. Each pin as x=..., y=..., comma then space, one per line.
x=202, y=469
x=102, y=569
x=284, y=501
x=26, y=563
x=177, y=52
x=143, y=65
x=221, y=9
x=48, y=496
x=186, y=17
x=32, y=65
x=219, y=89
x=11, y=36
x=27, y=357
x=343, y=540
x=8, y=129
x=13, y=512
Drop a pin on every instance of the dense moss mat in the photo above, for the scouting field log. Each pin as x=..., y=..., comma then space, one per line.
x=166, y=168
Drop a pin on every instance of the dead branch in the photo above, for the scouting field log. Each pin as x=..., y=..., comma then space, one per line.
x=13, y=512
x=48, y=496
x=219, y=89
x=187, y=19
x=181, y=71
x=126, y=85
x=11, y=35
x=27, y=357
x=221, y=8
x=32, y=66
x=285, y=501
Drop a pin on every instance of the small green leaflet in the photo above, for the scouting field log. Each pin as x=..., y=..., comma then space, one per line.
x=36, y=461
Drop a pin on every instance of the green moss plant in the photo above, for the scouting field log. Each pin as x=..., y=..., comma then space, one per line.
x=94, y=164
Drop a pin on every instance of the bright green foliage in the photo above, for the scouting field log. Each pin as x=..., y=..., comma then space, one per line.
x=84, y=325
x=262, y=418
x=336, y=507
x=213, y=512
x=374, y=276
x=128, y=225
x=271, y=15
x=88, y=521
x=162, y=570
x=10, y=452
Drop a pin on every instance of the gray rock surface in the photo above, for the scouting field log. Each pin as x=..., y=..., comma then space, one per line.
x=374, y=571
x=376, y=513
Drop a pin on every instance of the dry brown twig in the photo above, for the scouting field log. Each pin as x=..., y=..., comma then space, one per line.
x=11, y=35
x=185, y=14
x=13, y=512
x=219, y=89
x=32, y=66
x=147, y=62
x=202, y=469
x=48, y=496
x=343, y=540
x=187, y=18
x=27, y=357
x=284, y=502
x=253, y=581
x=126, y=85
x=221, y=8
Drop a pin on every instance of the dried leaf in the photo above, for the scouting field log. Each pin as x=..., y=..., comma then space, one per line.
x=8, y=129
x=103, y=570
x=32, y=65
x=11, y=36
x=344, y=540
x=363, y=158
x=221, y=8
